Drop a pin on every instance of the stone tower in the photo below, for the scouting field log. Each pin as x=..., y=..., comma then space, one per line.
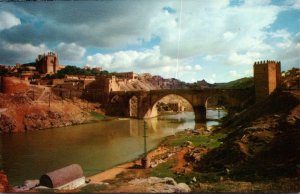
x=267, y=77
x=47, y=64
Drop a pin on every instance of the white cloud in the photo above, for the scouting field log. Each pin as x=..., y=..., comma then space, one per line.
x=27, y=49
x=248, y=58
x=150, y=60
x=8, y=20
x=20, y=53
x=70, y=52
x=248, y=72
x=281, y=33
x=294, y=4
x=134, y=60
x=198, y=67
x=283, y=38
x=289, y=54
x=208, y=58
x=228, y=29
x=228, y=36
x=234, y=74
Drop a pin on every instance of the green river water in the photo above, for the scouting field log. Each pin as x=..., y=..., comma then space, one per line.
x=95, y=146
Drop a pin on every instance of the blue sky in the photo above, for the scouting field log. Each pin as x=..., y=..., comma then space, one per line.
x=215, y=40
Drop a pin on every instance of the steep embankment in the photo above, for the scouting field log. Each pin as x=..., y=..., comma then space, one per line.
x=19, y=112
x=262, y=142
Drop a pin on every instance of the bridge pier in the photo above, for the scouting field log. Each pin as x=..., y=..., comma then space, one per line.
x=200, y=113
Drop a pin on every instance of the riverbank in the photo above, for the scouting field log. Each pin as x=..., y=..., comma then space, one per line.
x=172, y=150
x=20, y=113
x=171, y=160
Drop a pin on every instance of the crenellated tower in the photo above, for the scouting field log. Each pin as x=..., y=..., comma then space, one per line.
x=267, y=77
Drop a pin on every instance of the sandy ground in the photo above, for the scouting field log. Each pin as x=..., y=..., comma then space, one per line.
x=113, y=172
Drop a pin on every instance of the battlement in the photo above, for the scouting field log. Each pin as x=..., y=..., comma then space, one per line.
x=43, y=56
x=267, y=62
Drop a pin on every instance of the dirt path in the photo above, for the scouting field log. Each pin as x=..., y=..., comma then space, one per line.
x=181, y=164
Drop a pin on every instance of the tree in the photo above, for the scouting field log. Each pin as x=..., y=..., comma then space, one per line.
x=73, y=70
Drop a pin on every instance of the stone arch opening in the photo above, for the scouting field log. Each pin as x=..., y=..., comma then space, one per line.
x=216, y=106
x=171, y=102
x=215, y=102
x=133, y=107
x=114, y=107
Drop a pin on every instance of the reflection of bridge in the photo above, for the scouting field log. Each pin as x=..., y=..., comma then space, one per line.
x=142, y=104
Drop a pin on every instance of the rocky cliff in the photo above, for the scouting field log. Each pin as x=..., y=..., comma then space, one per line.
x=19, y=112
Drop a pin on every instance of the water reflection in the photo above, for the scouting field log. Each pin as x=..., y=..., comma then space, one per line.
x=95, y=146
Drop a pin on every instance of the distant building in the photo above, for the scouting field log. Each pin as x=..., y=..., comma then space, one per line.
x=48, y=64
x=127, y=75
x=267, y=77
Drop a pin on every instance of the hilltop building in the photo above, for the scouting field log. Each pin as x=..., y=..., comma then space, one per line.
x=48, y=64
x=267, y=77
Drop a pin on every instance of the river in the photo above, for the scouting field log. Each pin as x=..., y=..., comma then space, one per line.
x=95, y=146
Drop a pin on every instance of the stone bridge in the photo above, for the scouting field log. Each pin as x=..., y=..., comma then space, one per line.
x=142, y=104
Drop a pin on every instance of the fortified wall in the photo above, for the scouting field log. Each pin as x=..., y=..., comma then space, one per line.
x=267, y=77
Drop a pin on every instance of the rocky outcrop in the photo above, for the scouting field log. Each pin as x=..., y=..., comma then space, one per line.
x=160, y=185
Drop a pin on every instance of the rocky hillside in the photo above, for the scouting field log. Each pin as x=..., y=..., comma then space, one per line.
x=148, y=82
x=154, y=82
x=263, y=142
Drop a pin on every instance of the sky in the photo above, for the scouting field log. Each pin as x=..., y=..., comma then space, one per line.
x=215, y=40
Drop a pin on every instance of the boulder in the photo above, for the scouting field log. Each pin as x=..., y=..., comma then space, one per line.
x=160, y=185
x=187, y=143
x=183, y=188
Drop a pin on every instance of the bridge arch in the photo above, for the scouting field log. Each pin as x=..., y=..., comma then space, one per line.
x=152, y=110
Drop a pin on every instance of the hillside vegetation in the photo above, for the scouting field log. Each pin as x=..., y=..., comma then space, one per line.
x=242, y=83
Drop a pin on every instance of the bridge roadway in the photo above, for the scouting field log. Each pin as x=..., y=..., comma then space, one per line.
x=141, y=104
